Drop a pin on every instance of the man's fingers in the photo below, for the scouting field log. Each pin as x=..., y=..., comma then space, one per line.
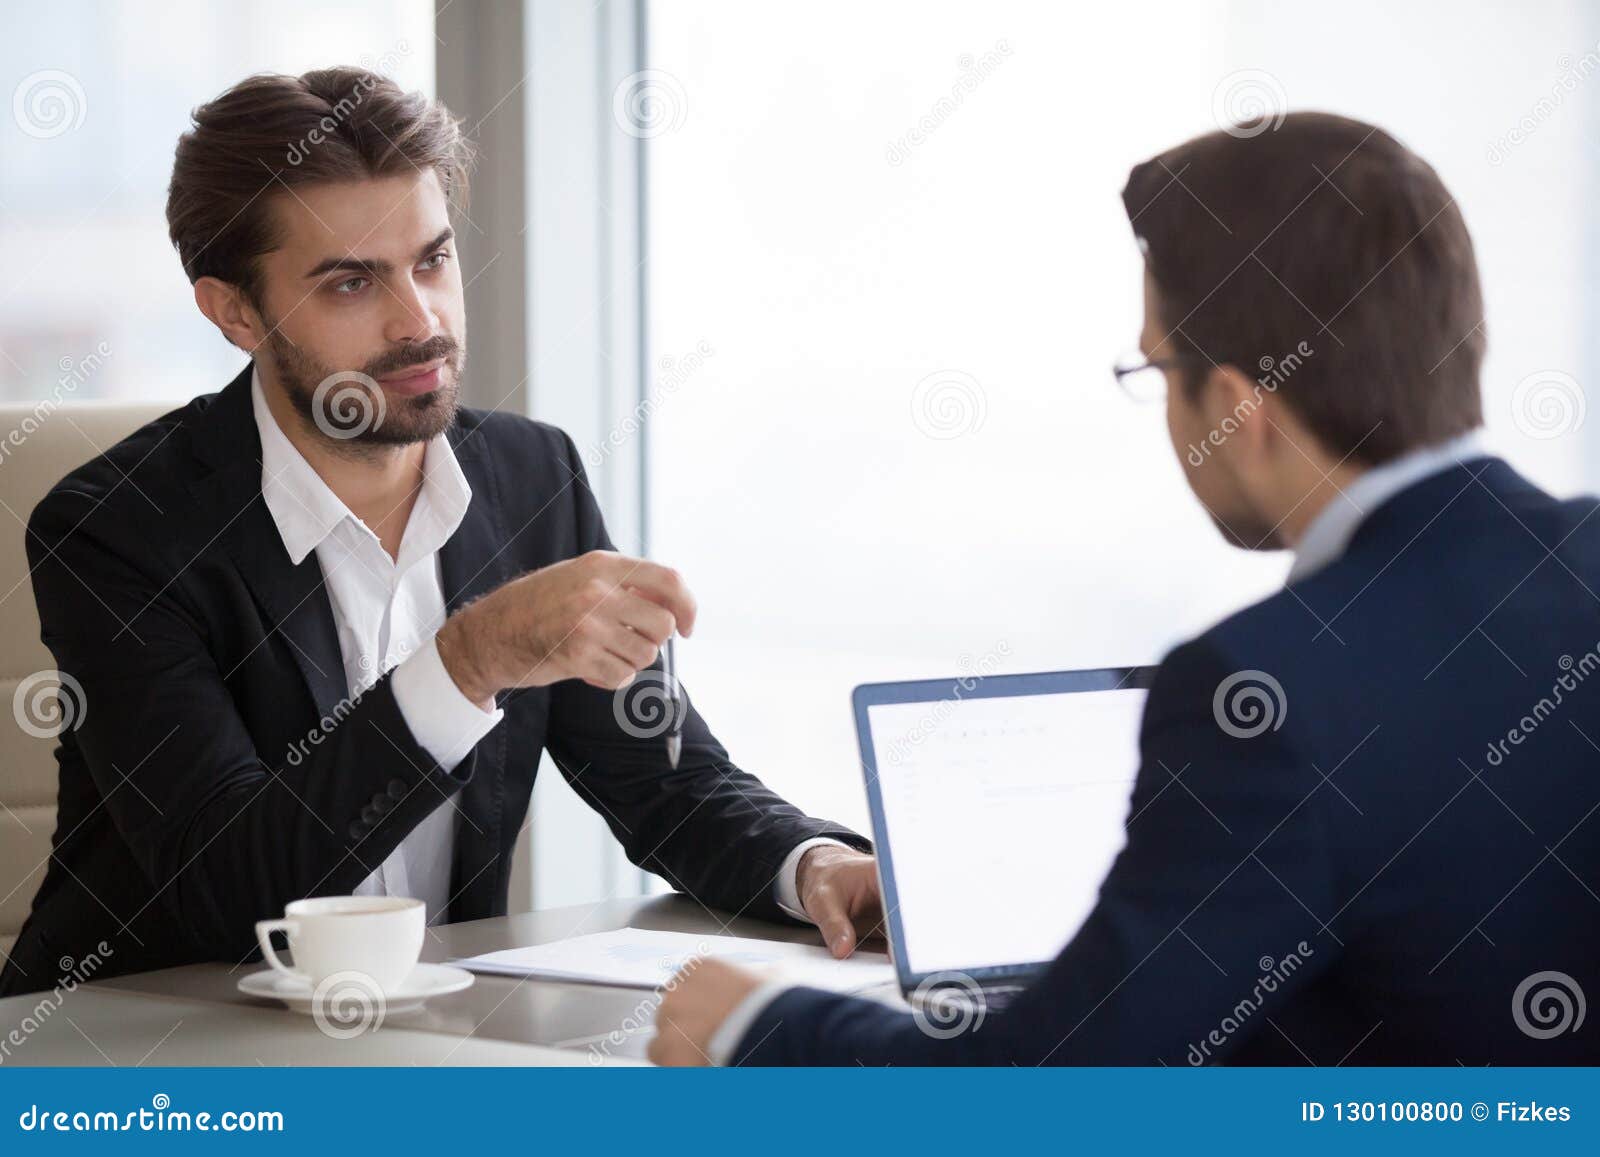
x=665, y=1045
x=605, y=671
x=649, y=619
x=661, y=585
x=843, y=943
x=869, y=914
x=628, y=645
x=834, y=922
x=674, y=1046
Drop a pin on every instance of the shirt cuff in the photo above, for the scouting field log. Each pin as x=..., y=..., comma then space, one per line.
x=725, y=1041
x=443, y=721
x=787, y=885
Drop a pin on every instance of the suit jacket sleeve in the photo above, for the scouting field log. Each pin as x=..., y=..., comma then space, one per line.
x=708, y=828
x=226, y=834
x=1210, y=917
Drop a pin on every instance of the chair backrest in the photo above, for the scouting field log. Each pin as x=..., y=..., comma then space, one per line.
x=39, y=445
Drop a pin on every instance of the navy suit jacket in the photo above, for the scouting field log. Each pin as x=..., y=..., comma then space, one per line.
x=1403, y=866
x=218, y=769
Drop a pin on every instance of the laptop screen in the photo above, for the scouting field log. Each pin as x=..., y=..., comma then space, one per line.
x=998, y=818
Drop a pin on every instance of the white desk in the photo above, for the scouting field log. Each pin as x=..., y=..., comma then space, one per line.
x=195, y=1015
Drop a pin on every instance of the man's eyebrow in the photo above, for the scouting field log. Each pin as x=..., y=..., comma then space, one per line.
x=374, y=266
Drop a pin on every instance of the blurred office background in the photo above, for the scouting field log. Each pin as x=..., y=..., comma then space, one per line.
x=828, y=293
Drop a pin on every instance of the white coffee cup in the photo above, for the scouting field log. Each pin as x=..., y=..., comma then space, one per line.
x=377, y=936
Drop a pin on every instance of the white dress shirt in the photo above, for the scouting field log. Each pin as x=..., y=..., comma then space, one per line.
x=387, y=611
x=1324, y=540
x=1330, y=532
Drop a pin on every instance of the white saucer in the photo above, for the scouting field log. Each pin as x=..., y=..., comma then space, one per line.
x=426, y=980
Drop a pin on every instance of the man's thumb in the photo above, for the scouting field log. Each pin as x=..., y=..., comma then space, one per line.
x=839, y=933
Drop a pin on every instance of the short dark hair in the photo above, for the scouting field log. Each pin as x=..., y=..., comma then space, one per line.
x=1321, y=229
x=332, y=124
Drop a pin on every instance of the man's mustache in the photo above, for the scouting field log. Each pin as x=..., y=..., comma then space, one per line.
x=440, y=347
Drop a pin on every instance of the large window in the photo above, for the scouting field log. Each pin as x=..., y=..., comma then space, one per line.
x=888, y=269
x=885, y=270
x=98, y=94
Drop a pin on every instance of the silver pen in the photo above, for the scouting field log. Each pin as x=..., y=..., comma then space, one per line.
x=675, y=722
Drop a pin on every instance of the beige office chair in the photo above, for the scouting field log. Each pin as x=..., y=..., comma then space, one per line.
x=39, y=444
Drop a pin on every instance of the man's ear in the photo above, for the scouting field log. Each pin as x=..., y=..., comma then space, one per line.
x=1234, y=407
x=228, y=310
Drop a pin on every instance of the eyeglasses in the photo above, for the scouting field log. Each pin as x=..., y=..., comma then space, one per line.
x=1145, y=379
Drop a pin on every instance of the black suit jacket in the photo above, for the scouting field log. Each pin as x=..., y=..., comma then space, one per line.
x=193, y=801
x=1382, y=875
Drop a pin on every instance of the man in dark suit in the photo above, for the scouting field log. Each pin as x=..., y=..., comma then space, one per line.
x=1366, y=826
x=324, y=622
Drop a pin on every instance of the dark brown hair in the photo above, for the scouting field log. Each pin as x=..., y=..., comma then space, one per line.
x=1320, y=229
x=333, y=124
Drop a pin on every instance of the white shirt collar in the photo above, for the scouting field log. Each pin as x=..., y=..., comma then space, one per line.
x=1331, y=530
x=306, y=511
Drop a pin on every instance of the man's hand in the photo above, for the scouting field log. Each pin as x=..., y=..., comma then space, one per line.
x=697, y=1001
x=600, y=617
x=839, y=890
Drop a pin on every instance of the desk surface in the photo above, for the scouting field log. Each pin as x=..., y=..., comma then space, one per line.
x=196, y=1014
x=96, y=1026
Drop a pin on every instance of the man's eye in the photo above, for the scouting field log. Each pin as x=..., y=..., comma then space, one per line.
x=438, y=260
x=343, y=288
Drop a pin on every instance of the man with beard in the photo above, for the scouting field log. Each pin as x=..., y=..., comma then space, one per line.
x=325, y=621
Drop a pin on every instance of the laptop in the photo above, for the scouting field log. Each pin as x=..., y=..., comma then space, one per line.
x=997, y=805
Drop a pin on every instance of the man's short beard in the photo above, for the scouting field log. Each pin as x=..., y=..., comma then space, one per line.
x=390, y=420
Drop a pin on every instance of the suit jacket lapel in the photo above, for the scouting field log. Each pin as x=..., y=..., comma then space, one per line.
x=293, y=598
x=473, y=562
x=476, y=559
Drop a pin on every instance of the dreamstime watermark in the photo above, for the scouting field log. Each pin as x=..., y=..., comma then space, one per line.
x=160, y=1117
x=376, y=69
x=971, y=673
x=1274, y=974
x=649, y=103
x=1574, y=673
x=300, y=749
x=641, y=1018
x=947, y=1004
x=1248, y=102
x=1248, y=703
x=47, y=703
x=48, y=103
x=1569, y=76
x=348, y=1004
x=1548, y=1004
x=74, y=373
x=1274, y=372
x=348, y=403
x=1547, y=404
x=949, y=404
x=974, y=70
x=73, y=973
x=674, y=371
x=648, y=705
